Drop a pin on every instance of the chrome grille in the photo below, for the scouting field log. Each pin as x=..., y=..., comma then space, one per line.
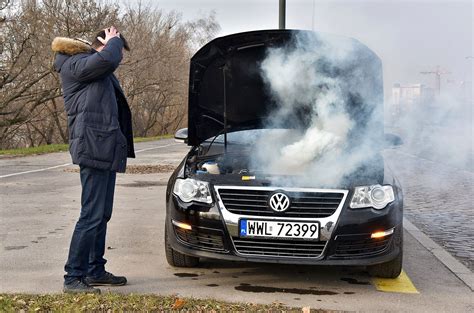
x=303, y=204
x=279, y=247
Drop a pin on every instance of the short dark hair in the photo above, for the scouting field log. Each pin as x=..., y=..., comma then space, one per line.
x=96, y=43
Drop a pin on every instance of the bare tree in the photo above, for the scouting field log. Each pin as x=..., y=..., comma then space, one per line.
x=154, y=74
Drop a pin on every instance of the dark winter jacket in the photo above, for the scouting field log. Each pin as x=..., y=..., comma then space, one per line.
x=99, y=118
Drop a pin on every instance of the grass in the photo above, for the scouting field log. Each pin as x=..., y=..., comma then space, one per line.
x=111, y=302
x=36, y=150
x=63, y=147
x=144, y=139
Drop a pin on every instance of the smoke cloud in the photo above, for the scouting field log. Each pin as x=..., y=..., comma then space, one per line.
x=439, y=130
x=338, y=83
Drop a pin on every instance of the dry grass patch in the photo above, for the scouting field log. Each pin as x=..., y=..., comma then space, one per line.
x=110, y=302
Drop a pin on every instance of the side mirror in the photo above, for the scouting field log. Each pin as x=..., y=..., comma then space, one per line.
x=181, y=135
x=392, y=140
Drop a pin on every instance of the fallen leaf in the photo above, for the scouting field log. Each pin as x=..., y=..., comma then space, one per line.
x=178, y=304
x=306, y=309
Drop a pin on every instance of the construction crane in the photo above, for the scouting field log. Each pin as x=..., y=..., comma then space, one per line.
x=437, y=72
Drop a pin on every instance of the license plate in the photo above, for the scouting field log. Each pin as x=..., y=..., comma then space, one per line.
x=278, y=229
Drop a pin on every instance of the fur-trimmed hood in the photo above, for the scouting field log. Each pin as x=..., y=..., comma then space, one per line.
x=65, y=48
x=69, y=46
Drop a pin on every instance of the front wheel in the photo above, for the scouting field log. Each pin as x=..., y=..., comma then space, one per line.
x=393, y=268
x=390, y=269
x=178, y=259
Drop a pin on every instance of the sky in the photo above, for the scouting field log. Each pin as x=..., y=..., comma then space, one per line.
x=409, y=36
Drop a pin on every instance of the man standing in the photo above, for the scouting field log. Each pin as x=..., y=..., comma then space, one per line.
x=100, y=140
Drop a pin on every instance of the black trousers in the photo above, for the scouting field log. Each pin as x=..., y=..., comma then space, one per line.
x=86, y=252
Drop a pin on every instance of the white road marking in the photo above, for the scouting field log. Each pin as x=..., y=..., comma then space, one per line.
x=67, y=164
x=34, y=171
x=153, y=148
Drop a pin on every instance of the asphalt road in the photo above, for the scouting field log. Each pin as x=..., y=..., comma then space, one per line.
x=40, y=204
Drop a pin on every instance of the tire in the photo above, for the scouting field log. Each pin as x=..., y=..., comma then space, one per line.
x=390, y=269
x=178, y=259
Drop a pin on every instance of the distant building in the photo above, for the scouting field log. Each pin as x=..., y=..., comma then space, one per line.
x=406, y=98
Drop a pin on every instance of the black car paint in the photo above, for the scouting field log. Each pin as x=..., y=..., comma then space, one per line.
x=205, y=121
x=352, y=222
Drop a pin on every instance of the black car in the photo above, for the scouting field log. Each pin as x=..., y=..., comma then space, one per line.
x=218, y=205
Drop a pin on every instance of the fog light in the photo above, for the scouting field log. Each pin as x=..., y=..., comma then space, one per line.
x=381, y=234
x=182, y=225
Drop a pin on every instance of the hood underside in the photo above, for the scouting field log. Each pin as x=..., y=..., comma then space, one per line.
x=228, y=93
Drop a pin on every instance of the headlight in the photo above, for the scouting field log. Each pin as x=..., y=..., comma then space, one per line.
x=375, y=196
x=192, y=190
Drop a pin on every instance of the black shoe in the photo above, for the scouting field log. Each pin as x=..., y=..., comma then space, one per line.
x=108, y=279
x=79, y=286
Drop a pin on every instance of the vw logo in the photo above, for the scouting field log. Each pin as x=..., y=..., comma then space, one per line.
x=279, y=202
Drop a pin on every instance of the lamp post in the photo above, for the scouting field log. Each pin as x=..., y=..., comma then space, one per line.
x=282, y=14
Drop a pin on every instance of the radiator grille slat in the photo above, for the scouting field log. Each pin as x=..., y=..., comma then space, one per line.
x=303, y=204
x=279, y=247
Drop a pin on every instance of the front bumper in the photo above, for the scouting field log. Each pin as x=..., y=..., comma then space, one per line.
x=345, y=240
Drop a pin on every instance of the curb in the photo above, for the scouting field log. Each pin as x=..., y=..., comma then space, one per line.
x=458, y=269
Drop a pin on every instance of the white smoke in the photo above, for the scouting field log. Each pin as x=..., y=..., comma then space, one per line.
x=303, y=73
x=439, y=130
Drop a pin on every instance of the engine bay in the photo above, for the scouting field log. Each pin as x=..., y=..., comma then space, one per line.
x=223, y=164
x=238, y=165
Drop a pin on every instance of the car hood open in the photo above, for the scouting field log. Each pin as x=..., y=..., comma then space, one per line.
x=228, y=92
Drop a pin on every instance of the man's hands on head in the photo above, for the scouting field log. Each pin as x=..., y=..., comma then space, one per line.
x=109, y=34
